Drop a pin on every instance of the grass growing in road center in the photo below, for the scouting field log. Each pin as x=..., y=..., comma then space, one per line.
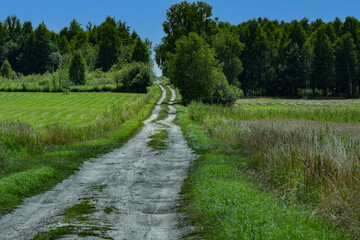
x=164, y=105
x=157, y=140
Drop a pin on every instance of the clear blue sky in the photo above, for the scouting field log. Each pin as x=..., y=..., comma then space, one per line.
x=146, y=16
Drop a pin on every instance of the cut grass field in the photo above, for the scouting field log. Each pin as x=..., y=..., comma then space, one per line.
x=33, y=159
x=282, y=177
x=75, y=109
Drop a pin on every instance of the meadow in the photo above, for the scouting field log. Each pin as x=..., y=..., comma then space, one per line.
x=301, y=155
x=347, y=110
x=76, y=109
x=45, y=137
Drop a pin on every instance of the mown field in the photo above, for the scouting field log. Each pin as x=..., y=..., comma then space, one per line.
x=76, y=109
x=46, y=136
x=274, y=169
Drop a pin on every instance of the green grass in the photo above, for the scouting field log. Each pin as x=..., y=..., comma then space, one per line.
x=157, y=140
x=78, y=220
x=164, y=105
x=111, y=209
x=228, y=206
x=79, y=212
x=315, y=162
x=60, y=232
x=16, y=186
x=76, y=109
x=224, y=199
x=259, y=109
x=60, y=160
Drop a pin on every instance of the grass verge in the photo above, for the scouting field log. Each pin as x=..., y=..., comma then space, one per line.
x=224, y=202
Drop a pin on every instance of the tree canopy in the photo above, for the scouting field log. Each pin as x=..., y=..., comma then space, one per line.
x=39, y=50
x=268, y=57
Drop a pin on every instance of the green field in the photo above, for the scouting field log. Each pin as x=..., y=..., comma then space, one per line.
x=267, y=108
x=76, y=109
x=274, y=169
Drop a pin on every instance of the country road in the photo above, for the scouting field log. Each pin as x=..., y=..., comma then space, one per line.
x=133, y=191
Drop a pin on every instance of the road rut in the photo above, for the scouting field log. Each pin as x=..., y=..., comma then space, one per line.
x=140, y=185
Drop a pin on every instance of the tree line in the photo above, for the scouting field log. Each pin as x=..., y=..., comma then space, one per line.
x=36, y=51
x=260, y=57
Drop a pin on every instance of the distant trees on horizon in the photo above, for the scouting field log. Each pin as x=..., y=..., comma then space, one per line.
x=39, y=50
x=268, y=57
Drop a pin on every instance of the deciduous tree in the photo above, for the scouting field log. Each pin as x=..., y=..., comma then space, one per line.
x=192, y=68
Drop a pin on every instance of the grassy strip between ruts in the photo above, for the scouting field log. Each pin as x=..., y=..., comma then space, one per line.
x=51, y=167
x=224, y=203
x=164, y=105
x=157, y=140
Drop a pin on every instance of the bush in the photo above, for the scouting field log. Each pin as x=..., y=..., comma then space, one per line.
x=224, y=93
x=135, y=77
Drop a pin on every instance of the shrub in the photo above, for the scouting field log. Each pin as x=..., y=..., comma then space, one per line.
x=224, y=93
x=135, y=77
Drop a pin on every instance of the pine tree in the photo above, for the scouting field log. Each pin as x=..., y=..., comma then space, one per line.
x=256, y=59
x=324, y=65
x=5, y=69
x=346, y=65
x=140, y=52
x=228, y=50
x=290, y=71
x=77, y=69
x=109, y=45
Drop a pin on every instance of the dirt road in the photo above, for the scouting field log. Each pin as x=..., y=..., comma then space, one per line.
x=133, y=192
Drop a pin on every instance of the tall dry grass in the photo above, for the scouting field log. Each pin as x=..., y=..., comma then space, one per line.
x=315, y=162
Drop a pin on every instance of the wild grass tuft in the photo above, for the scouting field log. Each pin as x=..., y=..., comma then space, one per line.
x=79, y=212
x=15, y=186
x=157, y=140
x=164, y=105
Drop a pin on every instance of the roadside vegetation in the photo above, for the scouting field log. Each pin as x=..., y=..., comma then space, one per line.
x=270, y=179
x=271, y=168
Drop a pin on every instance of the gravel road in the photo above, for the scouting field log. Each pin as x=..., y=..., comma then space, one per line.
x=137, y=185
